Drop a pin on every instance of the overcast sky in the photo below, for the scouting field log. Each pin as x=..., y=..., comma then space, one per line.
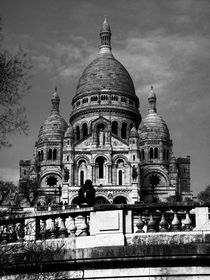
x=164, y=43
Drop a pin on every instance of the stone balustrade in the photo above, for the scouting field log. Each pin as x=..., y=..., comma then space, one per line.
x=106, y=242
x=103, y=219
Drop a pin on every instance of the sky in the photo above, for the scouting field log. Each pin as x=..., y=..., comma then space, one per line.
x=164, y=43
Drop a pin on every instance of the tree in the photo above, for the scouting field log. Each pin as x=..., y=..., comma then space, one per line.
x=6, y=190
x=205, y=195
x=14, y=77
x=29, y=190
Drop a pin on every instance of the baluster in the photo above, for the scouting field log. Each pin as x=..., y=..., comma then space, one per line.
x=140, y=224
x=151, y=224
x=187, y=222
x=5, y=234
x=84, y=227
x=21, y=231
x=43, y=229
x=175, y=224
x=73, y=227
x=13, y=234
x=63, y=230
x=163, y=223
x=52, y=228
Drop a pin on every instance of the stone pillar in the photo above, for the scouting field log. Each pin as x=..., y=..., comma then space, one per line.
x=202, y=221
x=109, y=174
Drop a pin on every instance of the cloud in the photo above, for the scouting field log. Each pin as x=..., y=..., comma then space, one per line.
x=9, y=174
x=161, y=59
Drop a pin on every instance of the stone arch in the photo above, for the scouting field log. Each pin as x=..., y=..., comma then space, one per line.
x=115, y=127
x=84, y=129
x=155, y=171
x=149, y=191
x=44, y=177
x=77, y=132
x=74, y=199
x=82, y=157
x=82, y=169
x=102, y=198
x=49, y=154
x=55, y=154
x=100, y=163
x=124, y=130
x=156, y=153
x=118, y=157
x=101, y=154
x=151, y=153
x=120, y=199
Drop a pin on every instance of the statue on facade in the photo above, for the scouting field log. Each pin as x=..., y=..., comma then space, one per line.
x=101, y=137
x=86, y=194
x=66, y=174
x=134, y=173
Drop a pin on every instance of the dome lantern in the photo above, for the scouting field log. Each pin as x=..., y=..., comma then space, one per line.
x=152, y=101
x=105, y=35
x=55, y=102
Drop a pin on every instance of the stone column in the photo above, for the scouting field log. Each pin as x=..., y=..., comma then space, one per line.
x=109, y=174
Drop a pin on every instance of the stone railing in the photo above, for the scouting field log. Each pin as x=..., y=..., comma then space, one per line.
x=103, y=219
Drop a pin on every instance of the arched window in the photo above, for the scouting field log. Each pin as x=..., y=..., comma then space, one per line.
x=164, y=154
x=167, y=155
x=151, y=153
x=131, y=126
x=124, y=131
x=81, y=177
x=156, y=153
x=100, y=162
x=84, y=129
x=120, y=178
x=54, y=154
x=49, y=154
x=42, y=155
x=142, y=154
x=39, y=156
x=77, y=133
x=67, y=158
x=115, y=127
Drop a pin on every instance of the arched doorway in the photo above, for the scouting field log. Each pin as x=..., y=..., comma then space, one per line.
x=101, y=200
x=120, y=200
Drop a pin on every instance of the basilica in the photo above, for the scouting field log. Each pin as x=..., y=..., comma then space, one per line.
x=127, y=158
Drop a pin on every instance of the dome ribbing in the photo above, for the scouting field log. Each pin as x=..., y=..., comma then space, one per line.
x=105, y=72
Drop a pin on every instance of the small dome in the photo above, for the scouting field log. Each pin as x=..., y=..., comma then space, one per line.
x=105, y=72
x=53, y=127
x=154, y=127
x=69, y=132
x=134, y=132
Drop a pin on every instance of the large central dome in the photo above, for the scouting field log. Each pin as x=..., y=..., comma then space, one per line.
x=105, y=72
x=105, y=87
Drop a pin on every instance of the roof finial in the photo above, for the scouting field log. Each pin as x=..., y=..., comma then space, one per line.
x=55, y=101
x=152, y=101
x=105, y=34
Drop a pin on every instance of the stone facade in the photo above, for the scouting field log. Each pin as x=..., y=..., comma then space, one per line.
x=126, y=158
